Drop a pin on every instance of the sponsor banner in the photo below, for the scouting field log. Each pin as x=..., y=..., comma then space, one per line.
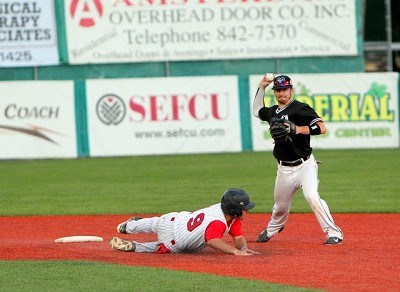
x=360, y=110
x=27, y=33
x=104, y=31
x=37, y=120
x=174, y=115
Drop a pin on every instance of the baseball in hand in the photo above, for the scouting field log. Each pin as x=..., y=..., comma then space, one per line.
x=269, y=76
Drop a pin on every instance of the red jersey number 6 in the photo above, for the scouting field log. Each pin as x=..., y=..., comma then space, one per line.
x=195, y=222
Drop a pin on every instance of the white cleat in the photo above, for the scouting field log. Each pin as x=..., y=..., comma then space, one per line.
x=122, y=244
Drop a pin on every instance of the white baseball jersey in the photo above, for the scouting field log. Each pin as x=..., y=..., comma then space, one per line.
x=189, y=229
x=184, y=231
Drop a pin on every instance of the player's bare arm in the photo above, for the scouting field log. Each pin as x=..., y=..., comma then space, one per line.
x=241, y=243
x=220, y=245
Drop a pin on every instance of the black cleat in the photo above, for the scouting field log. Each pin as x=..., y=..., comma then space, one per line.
x=121, y=228
x=263, y=237
x=333, y=240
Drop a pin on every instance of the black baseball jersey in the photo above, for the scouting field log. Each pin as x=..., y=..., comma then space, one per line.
x=302, y=115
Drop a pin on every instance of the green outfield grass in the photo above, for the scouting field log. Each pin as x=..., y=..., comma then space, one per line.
x=88, y=276
x=350, y=181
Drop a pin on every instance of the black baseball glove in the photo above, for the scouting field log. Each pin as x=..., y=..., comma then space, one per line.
x=281, y=129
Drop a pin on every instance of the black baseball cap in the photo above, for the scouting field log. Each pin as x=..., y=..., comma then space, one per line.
x=282, y=82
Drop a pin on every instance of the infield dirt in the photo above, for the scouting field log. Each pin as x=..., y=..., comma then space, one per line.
x=368, y=260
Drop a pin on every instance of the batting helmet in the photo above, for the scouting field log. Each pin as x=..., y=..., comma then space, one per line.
x=234, y=201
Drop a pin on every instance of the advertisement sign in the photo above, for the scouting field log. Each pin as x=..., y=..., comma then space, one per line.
x=28, y=34
x=360, y=110
x=105, y=31
x=163, y=115
x=37, y=120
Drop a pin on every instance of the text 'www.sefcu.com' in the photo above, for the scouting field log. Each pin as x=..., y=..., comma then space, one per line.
x=180, y=133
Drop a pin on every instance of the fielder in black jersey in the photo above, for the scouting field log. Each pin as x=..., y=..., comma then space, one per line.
x=297, y=167
x=301, y=114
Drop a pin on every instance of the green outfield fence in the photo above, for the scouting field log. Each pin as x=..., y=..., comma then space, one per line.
x=241, y=68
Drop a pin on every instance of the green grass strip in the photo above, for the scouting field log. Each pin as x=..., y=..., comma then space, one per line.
x=90, y=276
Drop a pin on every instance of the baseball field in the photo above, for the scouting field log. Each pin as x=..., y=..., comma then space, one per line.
x=42, y=200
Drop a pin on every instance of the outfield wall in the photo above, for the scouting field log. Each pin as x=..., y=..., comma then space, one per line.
x=110, y=78
x=179, y=115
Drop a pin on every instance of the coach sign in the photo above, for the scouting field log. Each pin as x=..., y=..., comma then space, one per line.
x=106, y=31
x=360, y=109
x=163, y=115
x=37, y=120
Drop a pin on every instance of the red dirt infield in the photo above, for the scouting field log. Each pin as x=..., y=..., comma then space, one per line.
x=367, y=261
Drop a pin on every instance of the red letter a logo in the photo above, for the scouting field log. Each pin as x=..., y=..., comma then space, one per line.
x=87, y=11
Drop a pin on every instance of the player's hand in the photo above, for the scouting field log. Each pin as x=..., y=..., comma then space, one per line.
x=250, y=251
x=291, y=127
x=245, y=252
x=241, y=253
x=266, y=80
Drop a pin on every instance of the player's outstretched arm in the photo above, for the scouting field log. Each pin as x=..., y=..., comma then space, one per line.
x=258, y=101
x=220, y=245
x=241, y=243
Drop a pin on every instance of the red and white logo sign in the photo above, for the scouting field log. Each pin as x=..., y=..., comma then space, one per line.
x=163, y=115
x=86, y=12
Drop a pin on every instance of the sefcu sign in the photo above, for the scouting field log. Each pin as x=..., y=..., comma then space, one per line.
x=111, y=108
x=179, y=106
x=179, y=115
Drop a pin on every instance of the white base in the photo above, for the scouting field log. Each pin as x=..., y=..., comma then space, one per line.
x=78, y=238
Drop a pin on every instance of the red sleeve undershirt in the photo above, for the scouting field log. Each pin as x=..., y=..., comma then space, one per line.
x=216, y=229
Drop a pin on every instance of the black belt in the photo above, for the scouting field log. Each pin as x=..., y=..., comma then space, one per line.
x=294, y=162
